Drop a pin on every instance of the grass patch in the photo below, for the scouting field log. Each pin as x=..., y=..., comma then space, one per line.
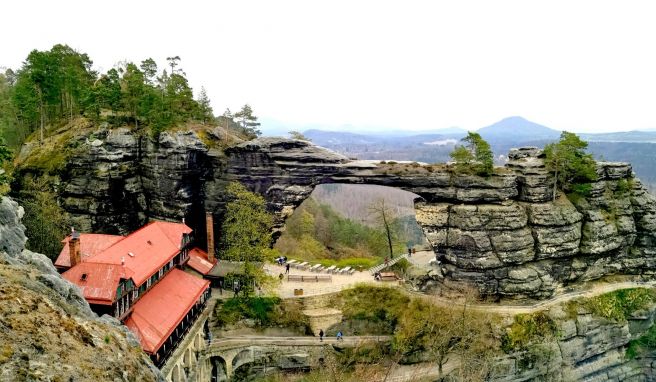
x=359, y=263
x=618, y=305
x=643, y=344
x=526, y=329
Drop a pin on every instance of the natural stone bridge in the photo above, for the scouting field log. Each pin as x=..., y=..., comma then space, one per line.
x=503, y=233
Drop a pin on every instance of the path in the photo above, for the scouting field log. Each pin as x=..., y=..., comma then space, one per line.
x=239, y=341
x=595, y=290
x=338, y=282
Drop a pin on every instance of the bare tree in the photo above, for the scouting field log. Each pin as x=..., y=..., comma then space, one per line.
x=385, y=216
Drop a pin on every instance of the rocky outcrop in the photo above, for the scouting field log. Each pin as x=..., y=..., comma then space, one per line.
x=586, y=347
x=530, y=246
x=505, y=233
x=47, y=330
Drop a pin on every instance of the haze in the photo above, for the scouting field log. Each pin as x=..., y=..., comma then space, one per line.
x=584, y=66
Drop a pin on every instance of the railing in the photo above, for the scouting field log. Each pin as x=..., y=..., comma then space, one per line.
x=388, y=264
x=231, y=342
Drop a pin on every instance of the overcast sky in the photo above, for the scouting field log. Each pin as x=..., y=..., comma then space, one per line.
x=575, y=65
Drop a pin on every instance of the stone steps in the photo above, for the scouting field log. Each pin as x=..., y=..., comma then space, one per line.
x=382, y=266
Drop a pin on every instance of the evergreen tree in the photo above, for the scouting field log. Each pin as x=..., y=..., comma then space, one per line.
x=133, y=91
x=476, y=155
x=573, y=168
x=248, y=122
x=205, y=113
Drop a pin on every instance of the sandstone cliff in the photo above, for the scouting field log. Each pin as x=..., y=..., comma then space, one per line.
x=584, y=347
x=47, y=331
x=502, y=233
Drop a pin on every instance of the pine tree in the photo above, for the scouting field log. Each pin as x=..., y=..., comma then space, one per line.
x=248, y=122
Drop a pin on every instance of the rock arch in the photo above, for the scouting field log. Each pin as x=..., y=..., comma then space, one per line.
x=501, y=233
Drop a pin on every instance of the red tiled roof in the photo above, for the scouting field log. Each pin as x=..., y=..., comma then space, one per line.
x=199, y=261
x=91, y=244
x=146, y=250
x=156, y=315
x=100, y=283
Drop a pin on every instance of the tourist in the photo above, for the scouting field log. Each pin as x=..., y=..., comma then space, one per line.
x=386, y=261
x=340, y=336
x=286, y=268
x=321, y=335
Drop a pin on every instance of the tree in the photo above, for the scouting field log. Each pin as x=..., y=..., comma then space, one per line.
x=462, y=156
x=173, y=62
x=475, y=154
x=385, y=216
x=572, y=167
x=246, y=231
x=298, y=135
x=133, y=89
x=205, y=113
x=248, y=122
x=149, y=69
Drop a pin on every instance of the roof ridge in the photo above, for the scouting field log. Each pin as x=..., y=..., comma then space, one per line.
x=178, y=245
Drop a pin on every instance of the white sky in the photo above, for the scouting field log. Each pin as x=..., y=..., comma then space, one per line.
x=575, y=65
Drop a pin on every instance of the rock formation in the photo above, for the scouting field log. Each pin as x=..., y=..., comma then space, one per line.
x=505, y=233
x=586, y=347
x=47, y=331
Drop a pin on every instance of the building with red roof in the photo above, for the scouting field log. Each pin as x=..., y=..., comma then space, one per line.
x=167, y=311
x=136, y=278
x=200, y=262
x=91, y=244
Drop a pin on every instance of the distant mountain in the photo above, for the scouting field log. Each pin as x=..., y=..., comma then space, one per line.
x=622, y=136
x=330, y=138
x=517, y=129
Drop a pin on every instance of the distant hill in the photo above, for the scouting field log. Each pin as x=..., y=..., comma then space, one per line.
x=637, y=147
x=622, y=136
x=517, y=129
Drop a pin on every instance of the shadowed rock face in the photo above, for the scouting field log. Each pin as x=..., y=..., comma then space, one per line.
x=502, y=233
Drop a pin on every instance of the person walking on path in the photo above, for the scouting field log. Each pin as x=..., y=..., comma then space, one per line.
x=321, y=335
x=386, y=261
x=340, y=336
x=287, y=268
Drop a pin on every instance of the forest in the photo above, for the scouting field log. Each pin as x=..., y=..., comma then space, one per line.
x=58, y=85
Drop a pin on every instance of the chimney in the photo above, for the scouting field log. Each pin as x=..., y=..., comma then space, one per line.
x=209, y=224
x=74, y=248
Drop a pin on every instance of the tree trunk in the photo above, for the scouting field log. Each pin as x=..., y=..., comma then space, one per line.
x=389, y=235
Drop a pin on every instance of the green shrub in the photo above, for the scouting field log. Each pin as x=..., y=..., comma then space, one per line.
x=624, y=186
x=265, y=311
x=526, y=329
x=375, y=304
x=620, y=304
x=642, y=344
x=582, y=189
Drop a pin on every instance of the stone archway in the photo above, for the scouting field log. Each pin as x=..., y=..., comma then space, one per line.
x=219, y=371
x=177, y=374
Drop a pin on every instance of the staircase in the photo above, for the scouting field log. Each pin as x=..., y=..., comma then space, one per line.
x=382, y=266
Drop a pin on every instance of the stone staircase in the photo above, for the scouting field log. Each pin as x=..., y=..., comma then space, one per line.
x=382, y=266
